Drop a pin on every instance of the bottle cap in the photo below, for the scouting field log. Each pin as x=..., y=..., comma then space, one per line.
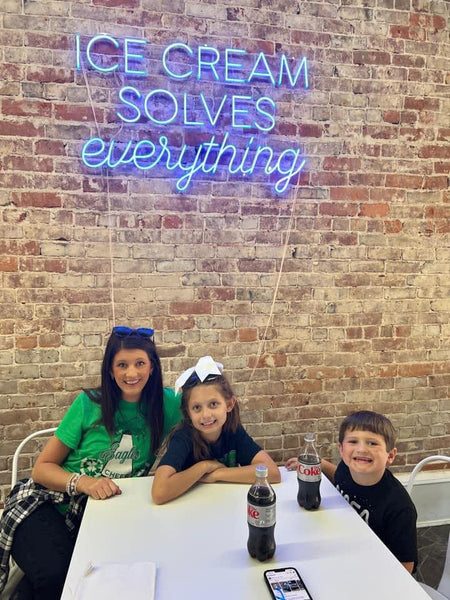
x=310, y=437
x=261, y=471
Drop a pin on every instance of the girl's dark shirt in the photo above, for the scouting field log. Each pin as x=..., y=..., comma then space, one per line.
x=231, y=449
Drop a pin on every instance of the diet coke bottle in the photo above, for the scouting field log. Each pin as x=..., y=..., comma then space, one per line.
x=261, y=516
x=309, y=475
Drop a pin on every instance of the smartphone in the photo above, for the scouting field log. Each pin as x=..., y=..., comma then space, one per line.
x=286, y=584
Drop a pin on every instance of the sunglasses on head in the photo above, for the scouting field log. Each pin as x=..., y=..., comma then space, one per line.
x=126, y=331
x=194, y=379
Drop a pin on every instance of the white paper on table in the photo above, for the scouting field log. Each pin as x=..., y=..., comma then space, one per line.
x=116, y=581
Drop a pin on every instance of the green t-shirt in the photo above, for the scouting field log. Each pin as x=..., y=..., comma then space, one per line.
x=127, y=453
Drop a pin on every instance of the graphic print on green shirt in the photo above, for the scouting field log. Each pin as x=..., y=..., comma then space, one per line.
x=125, y=454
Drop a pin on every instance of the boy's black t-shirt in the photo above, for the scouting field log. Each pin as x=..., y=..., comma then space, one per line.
x=387, y=509
x=231, y=449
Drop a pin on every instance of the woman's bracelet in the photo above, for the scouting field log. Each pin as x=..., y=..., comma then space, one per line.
x=71, y=485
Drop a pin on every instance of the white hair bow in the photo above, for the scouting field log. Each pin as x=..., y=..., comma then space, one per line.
x=205, y=366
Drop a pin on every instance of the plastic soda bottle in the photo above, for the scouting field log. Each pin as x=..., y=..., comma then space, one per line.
x=309, y=474
x=261, y=516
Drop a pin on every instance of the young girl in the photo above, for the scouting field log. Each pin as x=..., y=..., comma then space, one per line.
x=210, y=444
x=108, y=433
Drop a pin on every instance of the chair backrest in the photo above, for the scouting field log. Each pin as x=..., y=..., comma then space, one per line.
x=19, y=450
x=444, y=584
x=422, y=463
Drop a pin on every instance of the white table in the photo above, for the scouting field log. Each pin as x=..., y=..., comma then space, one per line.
x=199, y=544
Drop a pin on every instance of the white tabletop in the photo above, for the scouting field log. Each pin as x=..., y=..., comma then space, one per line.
x=199, y=544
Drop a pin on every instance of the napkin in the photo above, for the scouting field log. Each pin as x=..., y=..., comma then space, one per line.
x=116, y=581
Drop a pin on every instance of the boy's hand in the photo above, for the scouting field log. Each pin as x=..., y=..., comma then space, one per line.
x=291, y=464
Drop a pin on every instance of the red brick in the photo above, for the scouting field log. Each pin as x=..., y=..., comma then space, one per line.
x=248, y=335
x=26, y=108
x=49, y=74
x=383, y=132
x=341, y=164
x=443, y=134
x=10, y=71
x=43, y=265
x=417, y=370
x=20, y=129
x=374, y=210
x=408, y=33
x=217, y=293
x=436, y=183
x=9, y=263
x=365, y=57
x=349, y=194
x=66, y=112
x=435, y=151
x=391, y=116
x=404, y=181
x=23, y=163
x=306, y=130
x=52, y=147
x=17, y=247
x=40, y=199
x=172, y=222
x=52, y=41
x=329, y=178
x=188, y=308
x=338, y=209
x=393, y=226
x=26, y=343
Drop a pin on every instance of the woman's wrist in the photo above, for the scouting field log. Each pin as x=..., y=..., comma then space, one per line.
x=72, y=485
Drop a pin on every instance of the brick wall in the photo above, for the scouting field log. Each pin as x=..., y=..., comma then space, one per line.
x=332, y=297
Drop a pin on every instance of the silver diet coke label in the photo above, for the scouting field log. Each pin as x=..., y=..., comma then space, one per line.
x=309, y=473
x=261, y=516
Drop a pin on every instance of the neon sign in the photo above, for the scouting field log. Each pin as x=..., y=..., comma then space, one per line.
x=249, y=116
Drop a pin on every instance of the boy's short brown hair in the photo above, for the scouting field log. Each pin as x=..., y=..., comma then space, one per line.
x=367, y=420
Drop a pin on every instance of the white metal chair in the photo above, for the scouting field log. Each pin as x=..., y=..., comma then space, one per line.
x=16, y=574
x=443, y=590
x=18, y=451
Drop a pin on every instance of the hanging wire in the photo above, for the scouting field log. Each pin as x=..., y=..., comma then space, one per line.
x=277, y=285
x=105, y=177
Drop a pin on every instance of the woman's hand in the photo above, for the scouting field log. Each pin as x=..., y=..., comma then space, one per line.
x=98, y=488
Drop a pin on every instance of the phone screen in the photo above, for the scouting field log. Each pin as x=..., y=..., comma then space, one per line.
x=286, y=584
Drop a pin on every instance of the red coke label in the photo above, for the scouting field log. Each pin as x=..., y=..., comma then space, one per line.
x=309, y=473
x=261, y=516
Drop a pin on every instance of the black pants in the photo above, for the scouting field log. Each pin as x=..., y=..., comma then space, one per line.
x=42, y=547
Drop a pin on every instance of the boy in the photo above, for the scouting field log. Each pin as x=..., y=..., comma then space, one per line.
x=367, y=447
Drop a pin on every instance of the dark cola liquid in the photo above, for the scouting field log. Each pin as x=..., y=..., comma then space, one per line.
x=261, y=539
x=308, y=477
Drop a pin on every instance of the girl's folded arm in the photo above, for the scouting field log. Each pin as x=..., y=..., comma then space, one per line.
x=245, y=474
x=168, y=484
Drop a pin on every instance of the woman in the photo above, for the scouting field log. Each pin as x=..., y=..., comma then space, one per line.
x=111, y=432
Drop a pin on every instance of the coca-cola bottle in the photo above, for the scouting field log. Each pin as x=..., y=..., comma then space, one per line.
x=261, y=516
x=309, y=474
